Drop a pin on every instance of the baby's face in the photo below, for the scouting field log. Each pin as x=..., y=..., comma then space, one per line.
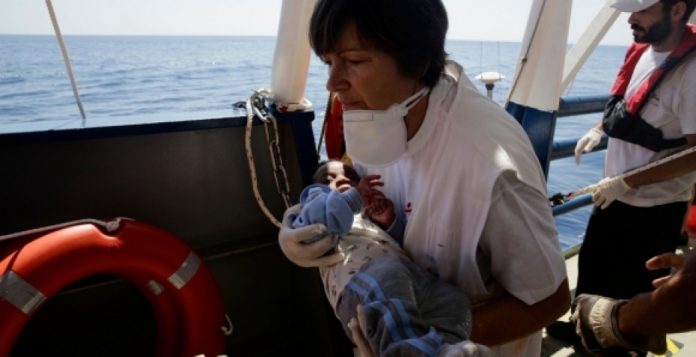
x=337, y=175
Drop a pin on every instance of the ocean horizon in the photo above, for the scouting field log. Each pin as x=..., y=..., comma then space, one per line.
x=143, y=79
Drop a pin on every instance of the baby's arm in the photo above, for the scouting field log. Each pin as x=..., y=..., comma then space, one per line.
x=379, y=208
x=382, y=213
x=329, y=207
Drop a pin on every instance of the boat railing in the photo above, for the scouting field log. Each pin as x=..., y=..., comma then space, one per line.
x=573, y=106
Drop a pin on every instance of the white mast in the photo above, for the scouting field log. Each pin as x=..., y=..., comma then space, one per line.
x=291, y=58
x=577, y=56
x=537, y=81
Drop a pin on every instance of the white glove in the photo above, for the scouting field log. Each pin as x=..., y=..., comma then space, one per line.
x=292, y=242
x=587, y=143
x=607, y=190
x=596, y=322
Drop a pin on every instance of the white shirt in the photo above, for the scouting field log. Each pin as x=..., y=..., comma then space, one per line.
x=670, y=108
x=474, y=198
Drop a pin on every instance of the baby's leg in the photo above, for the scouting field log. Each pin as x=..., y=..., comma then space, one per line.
x=387, y=289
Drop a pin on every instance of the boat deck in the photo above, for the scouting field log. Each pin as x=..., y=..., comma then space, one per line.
x=685, y=342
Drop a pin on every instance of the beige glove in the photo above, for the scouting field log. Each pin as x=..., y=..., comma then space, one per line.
x=292, y=242
x=597, y=324
x=588, y=142
x=607, y=190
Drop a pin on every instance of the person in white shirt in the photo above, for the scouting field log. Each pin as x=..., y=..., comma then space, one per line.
x=651, y=115
x=460, y=170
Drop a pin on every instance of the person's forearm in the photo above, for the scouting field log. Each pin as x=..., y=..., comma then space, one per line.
x=663, y=172
x=523, y=319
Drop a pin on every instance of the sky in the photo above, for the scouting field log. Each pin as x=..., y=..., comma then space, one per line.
x=487, y=20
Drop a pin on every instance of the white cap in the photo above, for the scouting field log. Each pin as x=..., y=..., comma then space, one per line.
x=632, y=5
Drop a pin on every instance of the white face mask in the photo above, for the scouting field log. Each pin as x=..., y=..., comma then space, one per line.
x=377, y=138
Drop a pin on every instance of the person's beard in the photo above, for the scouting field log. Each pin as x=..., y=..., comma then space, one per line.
x=655, y=33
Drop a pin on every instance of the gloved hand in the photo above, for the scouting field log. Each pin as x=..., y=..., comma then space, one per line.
x=292, y=242
x=588, y=142
x=605, y=191
x=597, y=324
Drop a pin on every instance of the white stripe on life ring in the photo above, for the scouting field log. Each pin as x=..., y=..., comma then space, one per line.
x=20, y=293
x=186, y=271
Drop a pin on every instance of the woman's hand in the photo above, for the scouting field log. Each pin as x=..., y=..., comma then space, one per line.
x=293, y=242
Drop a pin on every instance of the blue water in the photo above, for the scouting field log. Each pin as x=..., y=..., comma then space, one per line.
x=135, y=79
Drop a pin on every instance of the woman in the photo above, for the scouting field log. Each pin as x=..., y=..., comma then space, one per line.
x=460, y=170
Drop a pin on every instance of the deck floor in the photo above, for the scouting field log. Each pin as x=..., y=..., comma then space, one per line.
x=554, y=348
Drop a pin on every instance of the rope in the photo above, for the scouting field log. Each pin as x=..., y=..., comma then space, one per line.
x=229, y=327
x=66, y=59
x=252, y=105
x=108, y=226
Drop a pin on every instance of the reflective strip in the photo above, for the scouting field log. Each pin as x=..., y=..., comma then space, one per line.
x=20, y=293
x=186, y=271
x=155, y=287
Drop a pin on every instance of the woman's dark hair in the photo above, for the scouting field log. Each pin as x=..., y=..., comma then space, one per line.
x=412, y=31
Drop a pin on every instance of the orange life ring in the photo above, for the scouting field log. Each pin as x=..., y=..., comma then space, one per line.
x=186, y=300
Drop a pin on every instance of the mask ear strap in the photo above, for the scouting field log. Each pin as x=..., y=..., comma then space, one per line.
x=414, y=99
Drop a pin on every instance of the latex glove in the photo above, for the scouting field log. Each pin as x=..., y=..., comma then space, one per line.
x=597, y=324
x=606, y=190
x=588, y=142
x=292, y=242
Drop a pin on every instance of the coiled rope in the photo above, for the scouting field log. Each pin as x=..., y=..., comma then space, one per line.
x=253, y=105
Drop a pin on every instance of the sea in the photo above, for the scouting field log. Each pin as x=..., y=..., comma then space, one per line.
x=143, y=79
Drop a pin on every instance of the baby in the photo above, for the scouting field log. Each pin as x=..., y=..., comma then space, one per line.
x=407, y=311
